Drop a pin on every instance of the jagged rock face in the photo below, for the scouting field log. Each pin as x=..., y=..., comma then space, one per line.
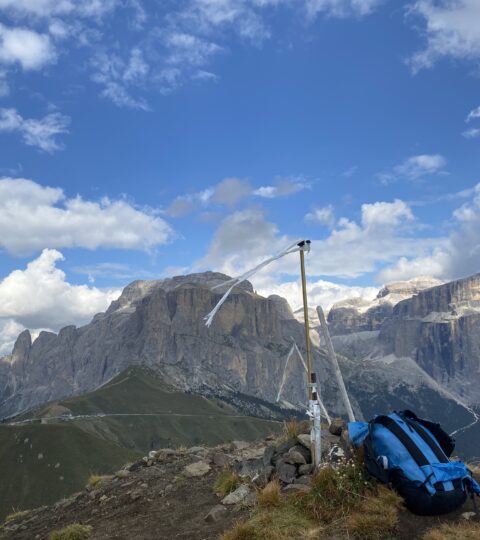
x=440, y=329
x=160, y=324
x=359, y=315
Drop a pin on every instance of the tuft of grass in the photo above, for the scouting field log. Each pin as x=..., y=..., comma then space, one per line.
x=226, y=482
x=240, y=531
x=72, y=532
x=16, y=515
x=335, y=492
x=96, y=480
x=270, y=495
x=293, y=428
x=376, y=517
x=181, y=450
x=468, y=530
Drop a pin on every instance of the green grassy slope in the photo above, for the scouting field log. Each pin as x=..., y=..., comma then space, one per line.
x=138, y=413
x=42, y=463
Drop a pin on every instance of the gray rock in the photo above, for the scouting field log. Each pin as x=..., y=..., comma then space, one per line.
x=248, y=467
x=304, y=440
x=305, y=452
x=337, y=426
x=295, y=458
x=306, y=469
x=263, y=477
x=268, y=455
x=286, y=472
x=199, y=468
x=303, y=480
x=284, y=447
x=220, y=459
x=238, y=496
x=217, y=513
x=195, y=450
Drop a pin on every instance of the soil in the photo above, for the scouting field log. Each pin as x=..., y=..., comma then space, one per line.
x=152, y=503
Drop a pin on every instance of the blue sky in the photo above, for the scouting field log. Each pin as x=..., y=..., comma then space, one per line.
x=145, y=139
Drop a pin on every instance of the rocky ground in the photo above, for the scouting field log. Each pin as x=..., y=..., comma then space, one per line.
x=170, y=494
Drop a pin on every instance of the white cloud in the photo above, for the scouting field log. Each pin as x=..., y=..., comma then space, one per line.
x=320, y=293
x=39, y=133
x=352, y=249
x=451, y=29
x=50, y=8
x=28, y=48
x=341, y=8
x=471, y=133
x=33, y=217
x=415, y=167
x=39, y=296
x=119, y=77
x=322, y=216
x=473, y=115
x=231, y=191
x=282, y=188
x=455, y=256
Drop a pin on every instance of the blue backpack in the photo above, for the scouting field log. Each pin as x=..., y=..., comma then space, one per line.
x=412, y=455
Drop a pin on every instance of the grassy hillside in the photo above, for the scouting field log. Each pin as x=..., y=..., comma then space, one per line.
x=127, y=417
x=43, y=463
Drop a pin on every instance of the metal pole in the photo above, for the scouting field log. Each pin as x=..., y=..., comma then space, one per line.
x=336, y=367
x=302, y=245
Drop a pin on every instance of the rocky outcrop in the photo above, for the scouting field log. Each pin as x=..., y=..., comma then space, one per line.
x=360, y=315
x=440, y=329
x=160, y=324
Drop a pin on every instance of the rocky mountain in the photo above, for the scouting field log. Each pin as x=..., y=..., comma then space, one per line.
x=241, y=357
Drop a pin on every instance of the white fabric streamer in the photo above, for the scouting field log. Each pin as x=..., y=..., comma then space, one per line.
x=284, y=376
x=236, y=281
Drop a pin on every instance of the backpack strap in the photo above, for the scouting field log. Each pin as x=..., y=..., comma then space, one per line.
x=427, y=439
x=396, y=430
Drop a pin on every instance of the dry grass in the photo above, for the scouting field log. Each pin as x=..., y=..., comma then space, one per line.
x=226, y=482
x=72, y=532
x=16, y=515
x=270, y=495
x=376, y=517
x=181, y=450
x=241, y=531
x=96, y=480
x=293, y=428
x=461, y=531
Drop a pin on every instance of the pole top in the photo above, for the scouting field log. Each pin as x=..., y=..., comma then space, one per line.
x=304, y=245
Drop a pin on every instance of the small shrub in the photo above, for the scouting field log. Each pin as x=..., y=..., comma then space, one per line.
x=72, y=532
x=335, y=492
x=181, y=450
x=376, y=517
x=96, y=480
x=461, y=531
x=227, y=482
x=270, y=495
x=16, y=515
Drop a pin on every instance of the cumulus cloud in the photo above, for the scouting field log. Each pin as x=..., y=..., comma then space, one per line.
x=30, y=49
x=320, y=292
x=414, y=168
x=321, y=216
x=34, y=216
x=244, y=238
x=39, y=133
x=39, y=296
x=341, y=8
x=451, y=30
x=456, y=256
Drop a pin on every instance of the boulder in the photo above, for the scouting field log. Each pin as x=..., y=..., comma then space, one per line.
x=220, y=459
x=295, y=458
x=199, y=468
x=306, y=453
x=238, y=496
x=286, y=472
x=305, y=469
x=284, y=447
x=305, y=440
